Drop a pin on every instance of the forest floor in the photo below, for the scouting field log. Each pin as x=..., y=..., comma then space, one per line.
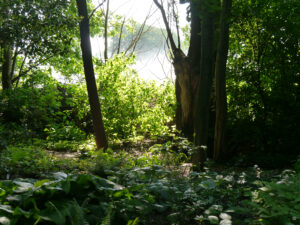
x=150, y=181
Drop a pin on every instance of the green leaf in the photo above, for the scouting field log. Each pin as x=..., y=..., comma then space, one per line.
x=66, y=186
x=6, y=208
x=225, y=216
x=208, y=184
x=18, y=212
x=23, y=186
x=60, y=176
x=133, y=222
x=2, y=192
x=226, y=222
x=53, y=214
x=213, y=219
x=297, y=207
x=4, y=220
x=39, y=183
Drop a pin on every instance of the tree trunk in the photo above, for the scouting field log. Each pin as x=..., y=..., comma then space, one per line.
x=220, y=72
x=187, y=70
x=205, y=83
x=186, y=79
x=99, y=131
x=7, y=68
x=105, y=31
x=186, y=86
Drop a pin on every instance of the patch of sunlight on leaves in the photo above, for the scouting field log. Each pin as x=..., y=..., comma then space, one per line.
x=6, y=208
x=213, y=219
x=4, y=220
x=225, y=222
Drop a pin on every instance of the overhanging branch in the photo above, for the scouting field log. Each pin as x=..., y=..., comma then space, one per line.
x=170, y=36
x=96, y=9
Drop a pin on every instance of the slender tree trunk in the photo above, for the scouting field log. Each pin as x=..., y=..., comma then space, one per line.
x=205, y=83
x=120, y=36
x=105, y=31
x=99, y=131
x=7, y=67
x=220, y=72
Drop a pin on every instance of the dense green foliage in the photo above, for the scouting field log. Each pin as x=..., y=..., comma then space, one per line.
x=263, y=78
x=31, y=33
x=152, y=194
x=45, y=108
x=145, y=107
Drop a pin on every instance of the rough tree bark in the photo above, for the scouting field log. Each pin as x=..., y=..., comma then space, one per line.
x=205, y=83
x=99, y=131
x=220, y=78
x=186, y=69
x=6, y=57
x=195, y=72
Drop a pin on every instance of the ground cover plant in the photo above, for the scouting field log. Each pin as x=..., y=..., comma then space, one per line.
x=151, y=186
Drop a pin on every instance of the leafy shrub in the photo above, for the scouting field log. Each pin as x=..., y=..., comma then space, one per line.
x=263, y=79
x=279, y=202
x=24, y=161
x=131, y=105
x=66, y=131
x=153, y=194
x=62, y=145
x=44, y=108
x=38, y=111
x=33, y=161
x=77, y=199
x=297, y=165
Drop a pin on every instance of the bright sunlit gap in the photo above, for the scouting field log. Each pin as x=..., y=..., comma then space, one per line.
x=151, y=64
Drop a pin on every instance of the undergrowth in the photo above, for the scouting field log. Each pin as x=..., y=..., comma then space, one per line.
x=149, y=186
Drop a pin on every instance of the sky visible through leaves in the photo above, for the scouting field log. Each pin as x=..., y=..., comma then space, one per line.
x=156, y=67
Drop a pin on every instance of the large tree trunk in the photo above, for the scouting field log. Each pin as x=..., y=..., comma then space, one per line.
x=205, y=83
x=187, y=70
x=99, y=131
x=220, y=71
x=6, y=58
x=184, y=96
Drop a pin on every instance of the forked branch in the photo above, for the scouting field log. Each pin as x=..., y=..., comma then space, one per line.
x=164, y=16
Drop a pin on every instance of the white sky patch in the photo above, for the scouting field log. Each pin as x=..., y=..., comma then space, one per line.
x=157, y=67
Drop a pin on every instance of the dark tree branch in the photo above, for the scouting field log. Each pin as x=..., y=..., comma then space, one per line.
x=170, y=36
x=14, y=63
x=175, y=14
x=20, y=71
x=105, y=31
x=96, y=9
x=138, y=36
x=120, y=36
x=30, y=68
